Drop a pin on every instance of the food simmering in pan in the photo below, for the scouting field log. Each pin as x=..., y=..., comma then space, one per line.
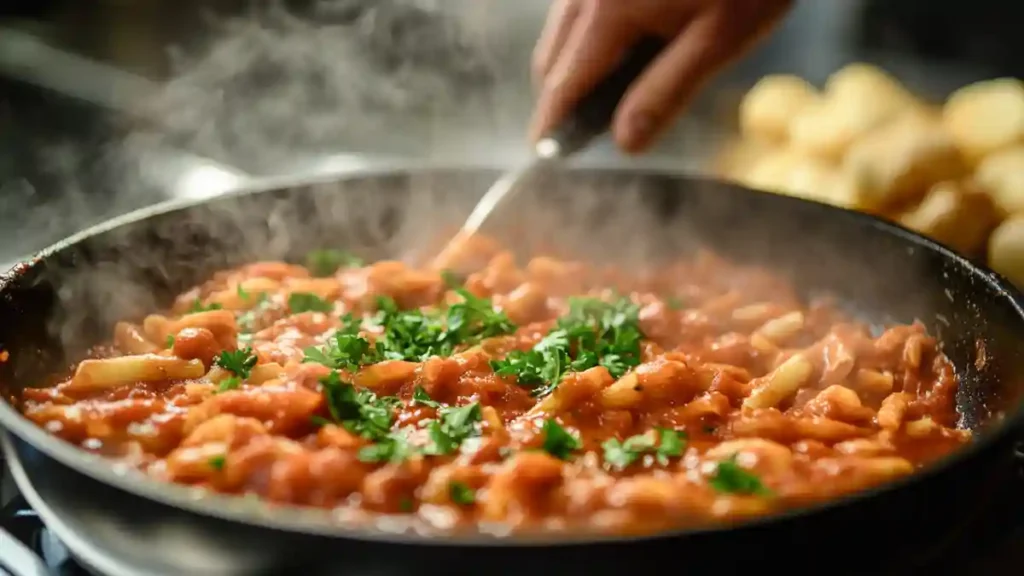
x=552, y=396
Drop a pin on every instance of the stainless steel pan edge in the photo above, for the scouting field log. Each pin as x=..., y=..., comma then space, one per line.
x=315, y=521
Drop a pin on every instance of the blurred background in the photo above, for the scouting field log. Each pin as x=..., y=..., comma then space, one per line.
x=110, y=105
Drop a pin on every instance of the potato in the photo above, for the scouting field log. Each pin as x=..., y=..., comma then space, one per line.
x=771, y=172
x=1006, y=250
x=901, y=160
x=812, y=179
x=1002, y=176
x=857, y=99
x=986, y=116
x=956, y=214
x=768, y=107
x=863, y=81
x=795, y=174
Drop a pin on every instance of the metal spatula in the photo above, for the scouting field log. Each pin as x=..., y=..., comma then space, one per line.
x=590, y=118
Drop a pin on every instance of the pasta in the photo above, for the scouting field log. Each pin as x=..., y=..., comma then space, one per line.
x=550, y=396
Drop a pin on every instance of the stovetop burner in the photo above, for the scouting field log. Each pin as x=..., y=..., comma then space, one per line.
x=991, y=543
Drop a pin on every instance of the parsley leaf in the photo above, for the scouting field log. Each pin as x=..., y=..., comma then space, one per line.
x=420, y=396
x=461, y=494
x=732, y=478
x=198, y=306
x=238, y=362
x=229, y=383
x=350, y=324
x=391, y=448
x=344, y=351
x=558, y=441
x=170, y=341
x=359, y=411
x=415, y=335
x=217, y=462
x=326, y=262
x=455, y=425
x=305, y=302
x=620, y=455
x=671, y=444
x=592, y=333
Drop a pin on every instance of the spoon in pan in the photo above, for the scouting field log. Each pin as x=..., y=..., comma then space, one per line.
x=590, y=118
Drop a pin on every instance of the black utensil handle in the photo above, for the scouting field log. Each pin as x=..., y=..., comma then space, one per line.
x=592, y=115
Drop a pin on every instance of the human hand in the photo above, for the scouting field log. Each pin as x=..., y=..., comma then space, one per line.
x=584, y=39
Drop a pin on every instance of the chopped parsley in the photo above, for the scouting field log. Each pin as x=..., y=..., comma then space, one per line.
x=217, y=462
x=394, y=447
x=349, y=324
x=416, y=335
x=238, y=362
x=299, y=302
x=229, y=383
x=359, y=411
x=619, y=455
x=461, y=494
x=170, y=341
x=420, y=396
x=732, y=478
x=345, y=351
x=593, y=333
x=326, y=262
x=455, y=424
x=198, y=306
x=558, y=441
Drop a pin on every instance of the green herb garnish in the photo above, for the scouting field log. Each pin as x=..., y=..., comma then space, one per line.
x=359, y=411
x=558, y=441
x=299, y=302
x=620, y=455
x=229, y=383
x=455, y=424
x=238, y=362
x=344, y=351
x=592, y=333
x=732, y=478
x=170, y=341
x=420, y=396
x=198, y=306
x=391, y=448
x=461, y=494
x=326, y=262
x=415, y=335
x=217, y=462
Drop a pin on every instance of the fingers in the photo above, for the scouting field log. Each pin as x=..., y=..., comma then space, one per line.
x=711, y=40
x=552, y=38
x=595, y=43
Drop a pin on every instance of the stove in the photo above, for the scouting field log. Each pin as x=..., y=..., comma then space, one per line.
x=990, y=543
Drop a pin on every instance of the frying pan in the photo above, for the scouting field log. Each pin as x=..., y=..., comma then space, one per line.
x=53, y=308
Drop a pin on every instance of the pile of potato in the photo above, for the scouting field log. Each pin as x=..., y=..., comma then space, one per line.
x=954, y=172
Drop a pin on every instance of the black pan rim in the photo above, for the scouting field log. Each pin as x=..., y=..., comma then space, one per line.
x=320, y=522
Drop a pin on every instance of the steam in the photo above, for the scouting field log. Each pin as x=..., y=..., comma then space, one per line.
x=279, y=86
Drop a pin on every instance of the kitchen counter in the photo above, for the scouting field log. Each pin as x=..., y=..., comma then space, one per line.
x=102, y=116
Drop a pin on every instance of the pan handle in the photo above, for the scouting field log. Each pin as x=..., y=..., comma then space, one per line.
x=16, y=559
x=592, y=115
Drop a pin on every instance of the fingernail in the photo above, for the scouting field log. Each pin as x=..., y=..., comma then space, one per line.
x=637, y=130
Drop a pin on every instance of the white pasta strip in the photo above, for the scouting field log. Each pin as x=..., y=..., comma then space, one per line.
x=112, y=372
x=780, y=383
x=785, y=326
